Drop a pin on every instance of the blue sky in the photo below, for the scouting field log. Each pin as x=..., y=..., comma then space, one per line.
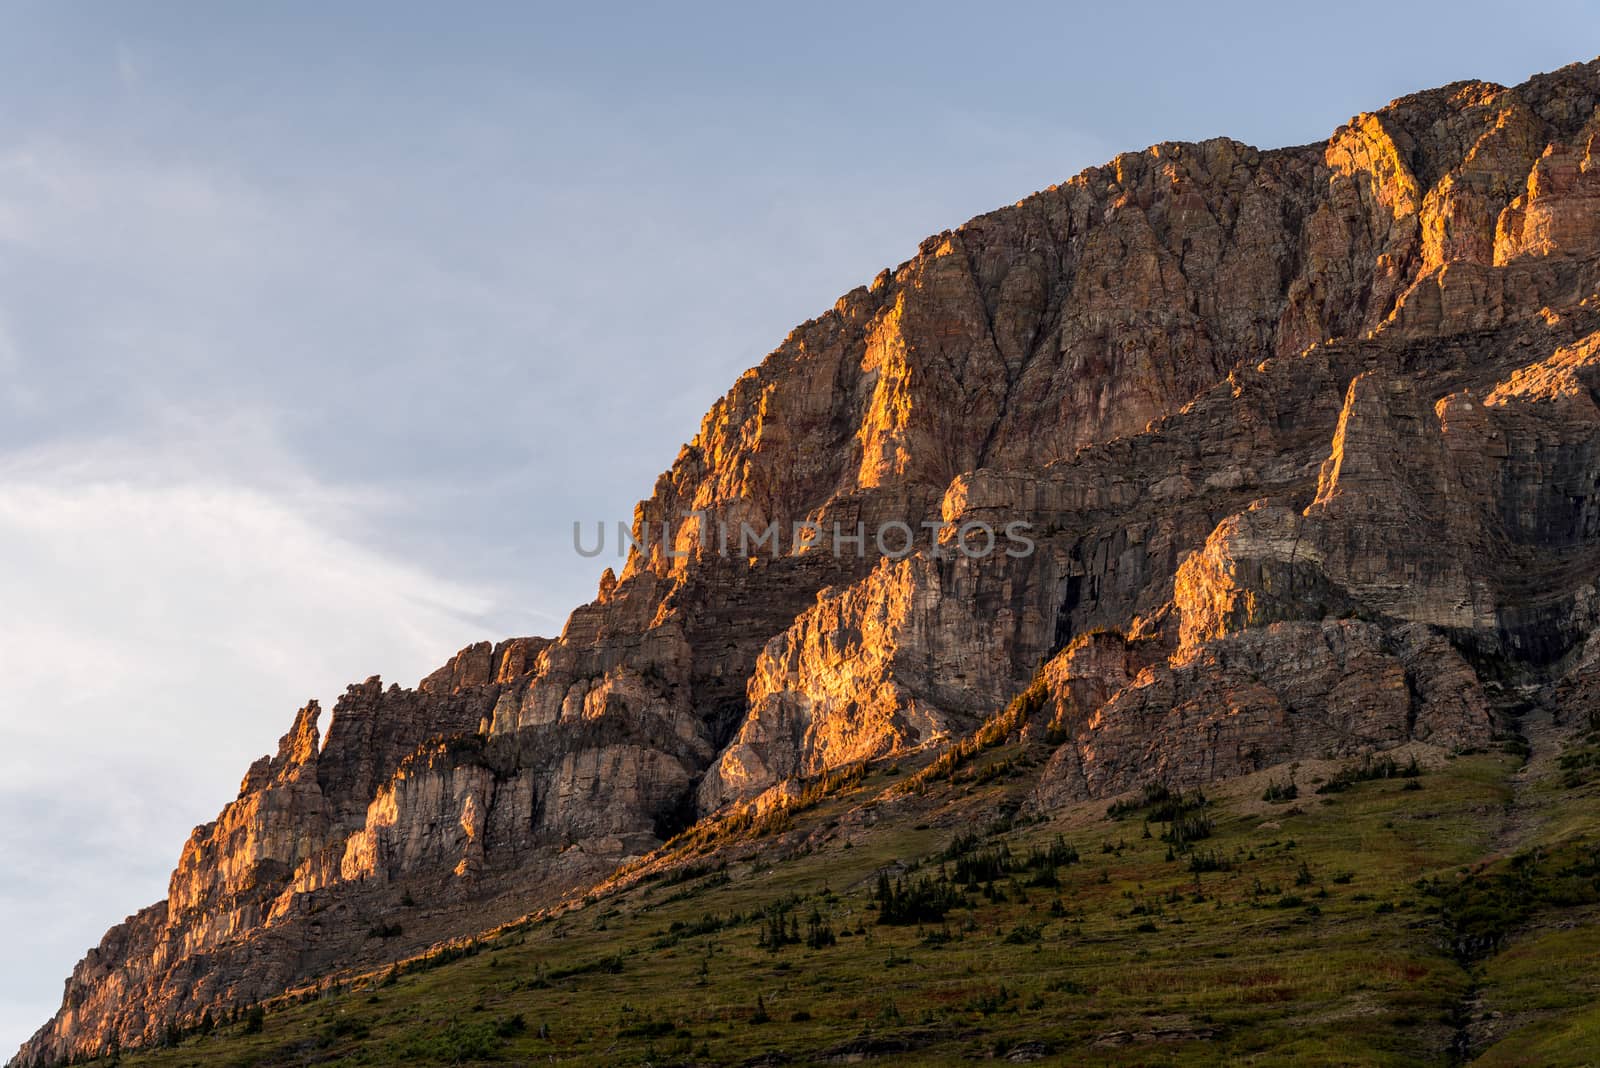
x=320, y=325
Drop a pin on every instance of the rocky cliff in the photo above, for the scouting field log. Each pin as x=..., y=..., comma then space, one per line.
x=1306, y=444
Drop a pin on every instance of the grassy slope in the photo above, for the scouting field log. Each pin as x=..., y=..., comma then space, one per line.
x=1335, y=938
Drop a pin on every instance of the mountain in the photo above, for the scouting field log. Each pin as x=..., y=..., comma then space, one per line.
x=1304, y=447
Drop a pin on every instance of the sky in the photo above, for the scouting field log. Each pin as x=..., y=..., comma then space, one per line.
x=320, y=325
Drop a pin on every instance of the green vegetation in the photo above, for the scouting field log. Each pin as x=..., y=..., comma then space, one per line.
x=1369, y=770
x=938, y=925
x=1287, y=790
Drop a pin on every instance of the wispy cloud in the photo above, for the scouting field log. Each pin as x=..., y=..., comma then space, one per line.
x=160, y=615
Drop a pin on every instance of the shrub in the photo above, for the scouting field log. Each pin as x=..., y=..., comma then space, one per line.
x=611, y=965
x=648, y=1028
x=1278, y=792
x=818, y=933
x=1154, y=793
x=1175, y=806
x=1369, y=770
x=778, y=928
x=920, y=901
x=344, y=1027
x=1059, y=854
x=457, y=1042
x=984, y=866
x=1187, y=829
x=1209, y=861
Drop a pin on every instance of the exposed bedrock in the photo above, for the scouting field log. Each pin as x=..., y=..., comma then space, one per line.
x=1305, y=441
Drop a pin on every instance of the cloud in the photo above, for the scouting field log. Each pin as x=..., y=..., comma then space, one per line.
x=164, y=617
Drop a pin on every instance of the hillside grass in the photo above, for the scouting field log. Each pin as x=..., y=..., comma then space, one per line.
x=1321, y=930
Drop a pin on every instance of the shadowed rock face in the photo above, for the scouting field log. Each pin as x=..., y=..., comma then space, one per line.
x=1302, y=436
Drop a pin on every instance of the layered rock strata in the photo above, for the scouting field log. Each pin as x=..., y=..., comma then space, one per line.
x=1305, y=440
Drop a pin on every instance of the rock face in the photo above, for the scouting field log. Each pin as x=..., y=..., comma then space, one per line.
x=1300, y=441
x=903, y=658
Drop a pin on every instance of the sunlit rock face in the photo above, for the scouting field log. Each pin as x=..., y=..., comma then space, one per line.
x=900, y=660
x=1302, y=438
